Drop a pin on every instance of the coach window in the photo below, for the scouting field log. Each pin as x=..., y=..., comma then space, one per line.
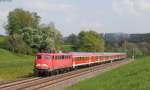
x=82, y=58
x=56, y=57
x=77, y=58
x=53, y=57
x=87, y=58
x=63, y=57
x=59, y=57
x=67, y=57
x=100, y=57
x=96, y=57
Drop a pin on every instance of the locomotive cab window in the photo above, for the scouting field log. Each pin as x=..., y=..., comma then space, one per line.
x=46, y=57
x=38, y=57
x=43, y=57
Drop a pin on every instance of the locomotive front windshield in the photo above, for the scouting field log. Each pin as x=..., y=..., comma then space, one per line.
x=43, y=57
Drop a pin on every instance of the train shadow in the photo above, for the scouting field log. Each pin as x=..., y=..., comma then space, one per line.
x=27, y=76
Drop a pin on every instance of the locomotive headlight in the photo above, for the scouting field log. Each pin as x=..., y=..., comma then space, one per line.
x=44, y=65
x=38, y=64
x=41, y=65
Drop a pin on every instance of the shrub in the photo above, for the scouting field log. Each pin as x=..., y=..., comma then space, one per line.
x=16, y=44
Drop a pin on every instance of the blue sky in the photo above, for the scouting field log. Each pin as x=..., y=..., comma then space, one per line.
x=72, y=16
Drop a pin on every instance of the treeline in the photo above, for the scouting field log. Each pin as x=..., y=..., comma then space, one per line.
x=85, y=41
x=27, y=35
x=133, y=44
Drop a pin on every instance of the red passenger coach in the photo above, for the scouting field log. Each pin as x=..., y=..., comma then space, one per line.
x=55, y=62
x=80, y=59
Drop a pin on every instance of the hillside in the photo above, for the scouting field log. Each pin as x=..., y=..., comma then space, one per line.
x=134, y=76
x=2, y=38
x=14, y=66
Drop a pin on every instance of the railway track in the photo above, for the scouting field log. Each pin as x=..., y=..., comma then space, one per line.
x=39, y=83
x=12, y=83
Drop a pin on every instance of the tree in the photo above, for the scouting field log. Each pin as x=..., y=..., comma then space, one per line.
x=133, y=49
x=71, y=42
x=17, y=45
x=20, y=19
x=25, y=25
x=144, y=47
x=115, y=41
x=90, y=41
x=42, y=39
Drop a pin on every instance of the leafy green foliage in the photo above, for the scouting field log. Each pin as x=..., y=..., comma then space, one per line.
x=134, y=76
x=90, y=41
x=68, y=48
x=20, y=19
x=27, y=36
x=2, y=40
x=71, y=43
x=16, y=44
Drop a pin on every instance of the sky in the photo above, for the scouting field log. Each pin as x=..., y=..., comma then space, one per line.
x=72, y=16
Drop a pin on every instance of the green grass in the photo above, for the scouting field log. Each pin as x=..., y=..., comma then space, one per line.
x=133, y=76
x=2, y=38
x=13, y=66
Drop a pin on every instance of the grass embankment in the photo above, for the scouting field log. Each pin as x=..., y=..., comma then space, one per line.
x=13, y=66
x=2, y=38
x=133, y=76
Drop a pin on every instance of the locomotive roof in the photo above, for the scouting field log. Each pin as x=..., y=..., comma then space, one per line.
x=53, y=53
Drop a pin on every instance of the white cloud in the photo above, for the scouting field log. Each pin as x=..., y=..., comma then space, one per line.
x=3, y=13
x=69, y=19
x=47, y=6
x=131, y=7
x=97, y=26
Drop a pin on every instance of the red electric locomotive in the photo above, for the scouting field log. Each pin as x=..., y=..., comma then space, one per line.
x=51, y=62
x=48, y=62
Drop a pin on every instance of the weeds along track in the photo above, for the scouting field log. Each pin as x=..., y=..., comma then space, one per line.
x=38, y=83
